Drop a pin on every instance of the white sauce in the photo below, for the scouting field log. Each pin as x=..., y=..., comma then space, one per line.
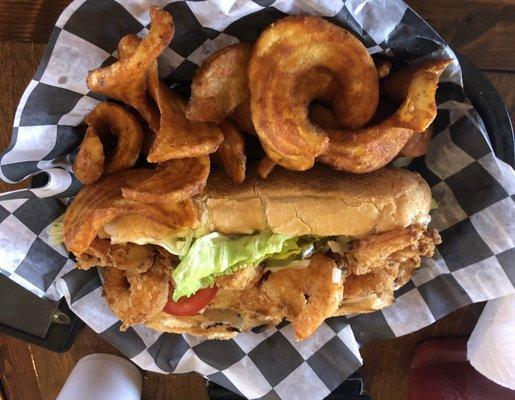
x=423, y=220
x=337, y=275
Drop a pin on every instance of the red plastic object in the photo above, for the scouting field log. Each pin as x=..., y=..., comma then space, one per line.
x=440, y=371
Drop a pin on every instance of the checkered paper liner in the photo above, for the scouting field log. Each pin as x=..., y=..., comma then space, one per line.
x=474, y=189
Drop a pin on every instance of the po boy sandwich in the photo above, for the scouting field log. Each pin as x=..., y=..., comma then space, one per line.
x=296, y=247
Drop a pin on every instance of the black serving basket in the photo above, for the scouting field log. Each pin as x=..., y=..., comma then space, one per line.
x=491, y=108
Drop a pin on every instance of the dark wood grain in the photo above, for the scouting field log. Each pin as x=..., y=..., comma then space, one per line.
x=18, y=62
x=17, y=370
x=29, y=20
x=189, y=386
x=482, y=30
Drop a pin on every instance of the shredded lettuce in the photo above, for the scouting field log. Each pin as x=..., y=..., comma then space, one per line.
x=306, y=247
x=56, y=231
x=214, y=254
x=297, y=264
x=434, y=204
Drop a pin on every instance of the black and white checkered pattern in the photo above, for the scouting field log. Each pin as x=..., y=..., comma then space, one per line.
x=473, y=188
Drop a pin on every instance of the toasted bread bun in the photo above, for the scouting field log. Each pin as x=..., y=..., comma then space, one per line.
x=197, y=325
x=324, y=202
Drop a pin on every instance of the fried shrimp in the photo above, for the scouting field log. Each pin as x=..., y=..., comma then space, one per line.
x=309, y=295
x=376, y=252
x=220, y=85
x=248, y=276
x=132, y=257
x=133, y=297
x=128, y=257
x=95, y=256
x=380, y=264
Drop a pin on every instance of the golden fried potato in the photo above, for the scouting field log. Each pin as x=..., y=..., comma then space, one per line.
x=179, y=137
x=417, y=144
x=279, y=107
x=383, y=66
x=322, y=116
x=364, y=150
x=318, y=84
x=232, y=152
x=127, y=46
x=265, y=167
x=220, y=84
x=242, y=118
x=102, y=202
x=416, y=88
x=373, y=147
x=88, y=166
x=148, y=140
x=126, y=80
x=110, y=118
x=174, y=181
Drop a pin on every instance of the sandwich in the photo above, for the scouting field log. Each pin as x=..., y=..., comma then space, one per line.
x=297, y=247
x=186, y=249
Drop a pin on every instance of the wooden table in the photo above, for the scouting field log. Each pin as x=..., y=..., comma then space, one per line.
x=482, y=30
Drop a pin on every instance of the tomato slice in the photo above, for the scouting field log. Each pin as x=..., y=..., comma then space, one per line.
x=191, y=305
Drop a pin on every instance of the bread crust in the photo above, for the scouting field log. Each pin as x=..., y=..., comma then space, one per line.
x=323, y=202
